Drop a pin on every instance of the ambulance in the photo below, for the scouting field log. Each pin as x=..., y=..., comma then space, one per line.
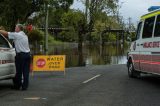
x=7, y=59
x=144, y=53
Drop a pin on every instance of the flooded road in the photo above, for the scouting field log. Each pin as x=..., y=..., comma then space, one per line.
x=90, y=54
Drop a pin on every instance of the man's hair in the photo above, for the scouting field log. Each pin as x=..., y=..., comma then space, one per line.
x=21, y=27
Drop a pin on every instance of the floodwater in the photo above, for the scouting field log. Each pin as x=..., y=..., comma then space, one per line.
x=90, y=54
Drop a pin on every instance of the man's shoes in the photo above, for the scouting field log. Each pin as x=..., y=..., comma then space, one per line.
x=18, y=88
x=15, y=88
x=24, y=89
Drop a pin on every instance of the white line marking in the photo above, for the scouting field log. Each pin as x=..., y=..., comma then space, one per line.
x=33, y=98
x=91, y=78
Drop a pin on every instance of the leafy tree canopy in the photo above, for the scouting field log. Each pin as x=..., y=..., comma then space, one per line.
x=14, y=11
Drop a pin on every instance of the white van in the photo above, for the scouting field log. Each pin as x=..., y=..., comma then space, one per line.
x=7, y=59
x=144, y=54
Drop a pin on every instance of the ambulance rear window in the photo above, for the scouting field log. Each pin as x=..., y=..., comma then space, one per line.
x=157, y=27
x=148, y=27
x=139, y=30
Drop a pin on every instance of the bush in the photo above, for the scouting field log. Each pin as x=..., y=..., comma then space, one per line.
x=35, y=35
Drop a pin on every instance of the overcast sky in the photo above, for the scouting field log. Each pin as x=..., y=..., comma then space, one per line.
x=130, y=8
x=136, y=8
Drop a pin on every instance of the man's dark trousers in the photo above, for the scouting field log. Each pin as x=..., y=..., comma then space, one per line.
x=22, y=61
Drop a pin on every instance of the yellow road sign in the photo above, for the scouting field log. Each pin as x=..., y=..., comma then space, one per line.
x=49, y=63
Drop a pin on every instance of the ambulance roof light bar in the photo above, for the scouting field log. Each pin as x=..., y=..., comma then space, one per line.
x=153, y=8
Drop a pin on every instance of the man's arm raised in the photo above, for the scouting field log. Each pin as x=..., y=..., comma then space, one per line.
x=4, y=33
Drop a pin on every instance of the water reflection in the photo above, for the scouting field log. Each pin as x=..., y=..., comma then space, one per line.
x=90, y=54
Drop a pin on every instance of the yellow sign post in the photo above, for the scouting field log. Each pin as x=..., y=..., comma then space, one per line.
x=49, y=63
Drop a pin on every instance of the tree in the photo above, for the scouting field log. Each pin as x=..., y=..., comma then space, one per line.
x=75, y=20
x=64, y=4
x=98, y=6
x=14, y=11
x=35, y=36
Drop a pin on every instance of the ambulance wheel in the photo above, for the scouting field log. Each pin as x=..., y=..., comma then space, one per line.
x=132, y=72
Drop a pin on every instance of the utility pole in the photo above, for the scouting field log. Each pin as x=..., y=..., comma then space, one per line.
x=86, y=11
x=129, y=24
x=46, y=28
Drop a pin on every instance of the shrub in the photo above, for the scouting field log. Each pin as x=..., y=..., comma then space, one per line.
x=35, y=35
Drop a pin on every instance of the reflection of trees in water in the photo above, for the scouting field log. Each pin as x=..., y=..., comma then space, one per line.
x=108, y=51
x=89, y=54
x=80, y=56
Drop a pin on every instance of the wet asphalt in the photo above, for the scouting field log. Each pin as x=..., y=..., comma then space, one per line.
x=103, y=85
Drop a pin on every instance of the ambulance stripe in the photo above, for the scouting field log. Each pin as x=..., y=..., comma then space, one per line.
x=146, y=62
x=150, y=63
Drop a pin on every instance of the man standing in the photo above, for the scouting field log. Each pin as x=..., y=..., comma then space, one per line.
x=22, y=59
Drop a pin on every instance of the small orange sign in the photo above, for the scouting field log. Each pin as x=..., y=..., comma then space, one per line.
x=49, y=63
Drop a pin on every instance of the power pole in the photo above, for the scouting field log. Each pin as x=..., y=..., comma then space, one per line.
x=86, y=11
x=46, y=28
x=129, y=24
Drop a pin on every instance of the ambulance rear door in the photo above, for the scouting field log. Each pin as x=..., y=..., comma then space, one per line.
x=156, y=47
x=145, y=45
